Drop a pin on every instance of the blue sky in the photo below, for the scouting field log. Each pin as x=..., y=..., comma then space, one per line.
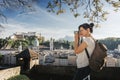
x=56, y=26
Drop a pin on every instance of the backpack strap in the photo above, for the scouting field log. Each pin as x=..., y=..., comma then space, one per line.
x=87, y=50
x=87, y=53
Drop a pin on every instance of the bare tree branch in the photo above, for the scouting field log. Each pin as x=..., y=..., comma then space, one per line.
x=94, y=9
x=21, y=5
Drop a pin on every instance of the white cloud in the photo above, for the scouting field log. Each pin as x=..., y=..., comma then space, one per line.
x=109, y=28
x=51, y=25
x=42, y=14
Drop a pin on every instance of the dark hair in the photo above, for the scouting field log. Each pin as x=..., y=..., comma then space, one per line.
x=86, y=26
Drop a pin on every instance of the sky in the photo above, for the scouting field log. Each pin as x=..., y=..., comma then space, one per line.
x=56, y=26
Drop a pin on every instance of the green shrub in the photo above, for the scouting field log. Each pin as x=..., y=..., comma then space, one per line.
x=19, y=77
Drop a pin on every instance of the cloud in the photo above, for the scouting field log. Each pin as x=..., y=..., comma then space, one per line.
x=15, y=26
x=109, y=28
x=50, y=25
x=42, y=16
x=58, y=26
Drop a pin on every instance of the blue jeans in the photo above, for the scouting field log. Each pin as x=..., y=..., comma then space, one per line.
x=81, y=73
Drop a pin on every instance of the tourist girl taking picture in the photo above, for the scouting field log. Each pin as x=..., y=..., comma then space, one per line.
x=83, y=40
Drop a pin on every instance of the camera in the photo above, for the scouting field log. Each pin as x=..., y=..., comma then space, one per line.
x=76, y=32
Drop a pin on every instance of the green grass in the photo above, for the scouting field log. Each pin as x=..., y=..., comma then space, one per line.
x=19, y=77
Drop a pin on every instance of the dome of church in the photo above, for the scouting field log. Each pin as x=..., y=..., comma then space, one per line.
x=36, y=42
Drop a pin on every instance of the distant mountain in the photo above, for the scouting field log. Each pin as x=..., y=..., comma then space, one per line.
x=69, y=38
x=111, y=42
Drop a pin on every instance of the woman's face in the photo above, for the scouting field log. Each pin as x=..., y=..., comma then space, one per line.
x=83, y=32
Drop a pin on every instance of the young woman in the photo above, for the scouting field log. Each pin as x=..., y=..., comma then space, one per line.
x=87, y=42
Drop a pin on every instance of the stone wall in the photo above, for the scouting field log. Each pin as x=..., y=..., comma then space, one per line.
x=51, y=69
x=48, y=72
x=10, y=72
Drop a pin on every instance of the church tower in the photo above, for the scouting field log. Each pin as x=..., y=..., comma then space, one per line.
x=51, y=44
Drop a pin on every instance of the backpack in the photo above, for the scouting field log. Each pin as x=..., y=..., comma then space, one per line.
x=97, y=59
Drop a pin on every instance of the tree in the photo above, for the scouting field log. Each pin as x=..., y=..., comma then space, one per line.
x=93, y=10
x=30, y=40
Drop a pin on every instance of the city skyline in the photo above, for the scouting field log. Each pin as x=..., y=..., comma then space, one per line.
x=56, y=26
